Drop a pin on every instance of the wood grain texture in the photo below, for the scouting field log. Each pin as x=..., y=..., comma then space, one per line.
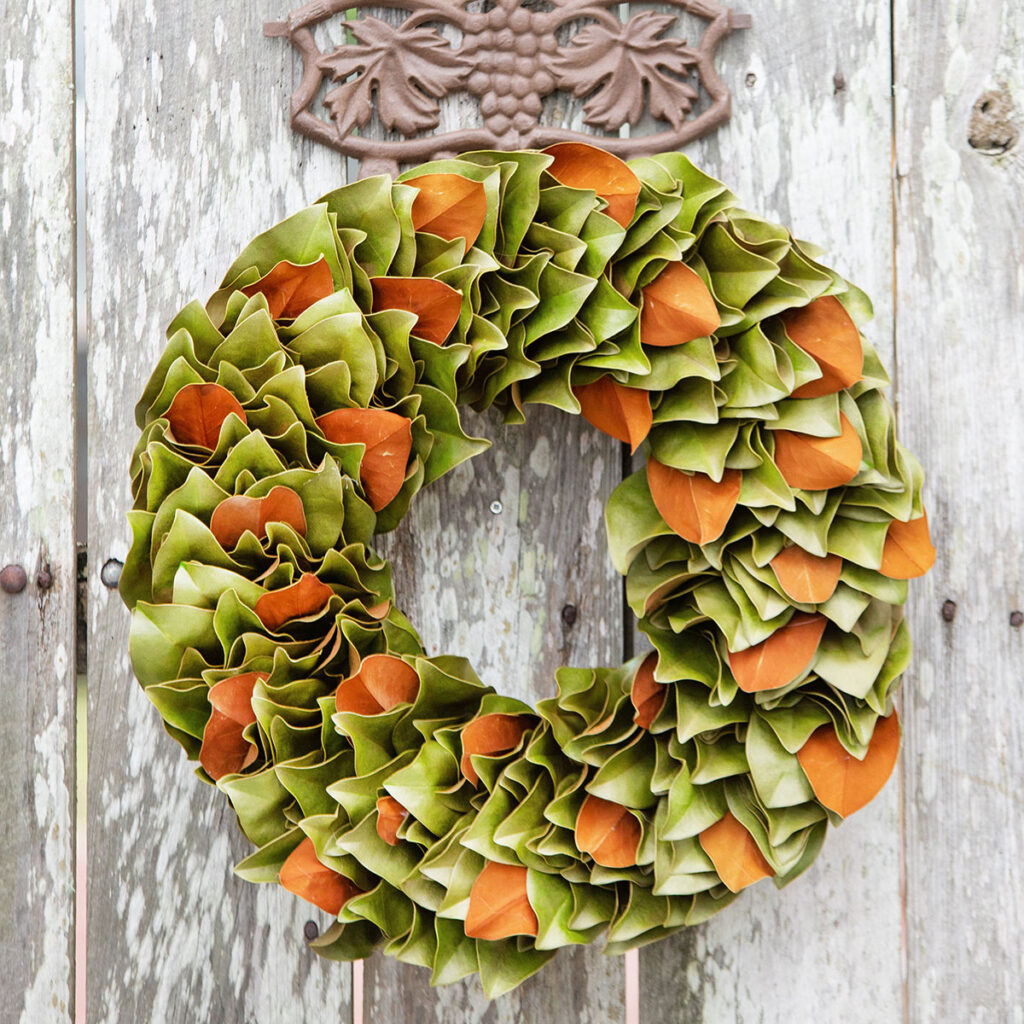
x=188, y=156
x=808, y=144
x=37, y=495
x=495, y=586
x=960, y=344
x=492, y=586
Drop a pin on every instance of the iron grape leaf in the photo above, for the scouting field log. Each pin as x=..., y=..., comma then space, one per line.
x=621, y=61
x=408, y=68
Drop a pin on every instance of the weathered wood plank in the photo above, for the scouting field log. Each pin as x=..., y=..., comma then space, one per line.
x=492, y=586
x=188, y=155
x=494, y=582
x=960, y=302
x=37, y=494
x=808, y=144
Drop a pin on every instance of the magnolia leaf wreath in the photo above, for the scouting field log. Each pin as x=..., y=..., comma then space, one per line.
x=765, y=545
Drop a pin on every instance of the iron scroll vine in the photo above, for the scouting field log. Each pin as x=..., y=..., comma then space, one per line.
x=509, y=59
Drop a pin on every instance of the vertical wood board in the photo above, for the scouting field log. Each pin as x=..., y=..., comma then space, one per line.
x=188, y=156
x=37, y=492
x=491, y=585
x=960, y=343
x=809, y=145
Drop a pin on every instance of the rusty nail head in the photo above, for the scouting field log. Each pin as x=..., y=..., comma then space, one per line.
x=12, y=579
x=1017, y=619
x=310, y=930
x=110, y=574
x=44, y=578
x=948, y=610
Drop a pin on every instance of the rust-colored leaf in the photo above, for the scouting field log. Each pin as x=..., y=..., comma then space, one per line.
x=390, y=815
x=499, y=905
x=303, y=874
x=197, y=411
x=825, y=331
x=677, y=308
x=233, y=516
x=292, y=287
x=781, y=658
x=581, y=166
x=806, y=578
x=623, y=413
x=608, y=832
x=841, y=782
x=647, y=695
x=694, y=505
x=496, y=733
x=306, y=597
x=436, y=305
x=449, y=205
x=381, y=682
x=818, y=463
x=388, y=440
x=225, y=750
x=734, y=853
x=908, y=550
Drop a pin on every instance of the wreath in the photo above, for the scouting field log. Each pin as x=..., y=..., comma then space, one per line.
x=765, y=544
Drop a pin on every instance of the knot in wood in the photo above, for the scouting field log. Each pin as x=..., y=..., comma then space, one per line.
x=993, y=127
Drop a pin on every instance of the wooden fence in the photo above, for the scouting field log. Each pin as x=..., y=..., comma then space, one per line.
x=884, y=131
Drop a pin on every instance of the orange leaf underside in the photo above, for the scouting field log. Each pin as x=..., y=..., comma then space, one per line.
x=694, y=506
x=197, y=412
x=806, y=578
x=841, y=782
x=677, y=308
x=780, y=659
x=608, y=832
x=388, y=440
x=449, y=205
x=436, y=305
x=621, y=412
x=492, y=734
x=734, y=853
x=818, y=463
x=825, y=331
x=306, y=597
x=233, y=516
x=581, y=166
x=381, y=683
x=908, y=551
x=225, y=750
x=304, y=875
x=647, y=695
x=390, y=815
x=291, y=288
x=499, y=905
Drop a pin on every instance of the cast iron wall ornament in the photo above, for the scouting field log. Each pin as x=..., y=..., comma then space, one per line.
x=509, y=58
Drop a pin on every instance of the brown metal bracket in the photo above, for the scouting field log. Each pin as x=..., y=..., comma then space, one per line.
x=509, y=59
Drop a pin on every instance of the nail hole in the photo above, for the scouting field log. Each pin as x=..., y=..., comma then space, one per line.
x=838, y=82
x=12, y=579
x=948, y=610
x=496, y=507
x=110, y=574
x=569, y=615
x=311, y=930
x=1016, y=619
x=751, y=80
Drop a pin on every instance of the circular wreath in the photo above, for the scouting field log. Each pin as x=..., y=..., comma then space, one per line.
x=766, y=545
